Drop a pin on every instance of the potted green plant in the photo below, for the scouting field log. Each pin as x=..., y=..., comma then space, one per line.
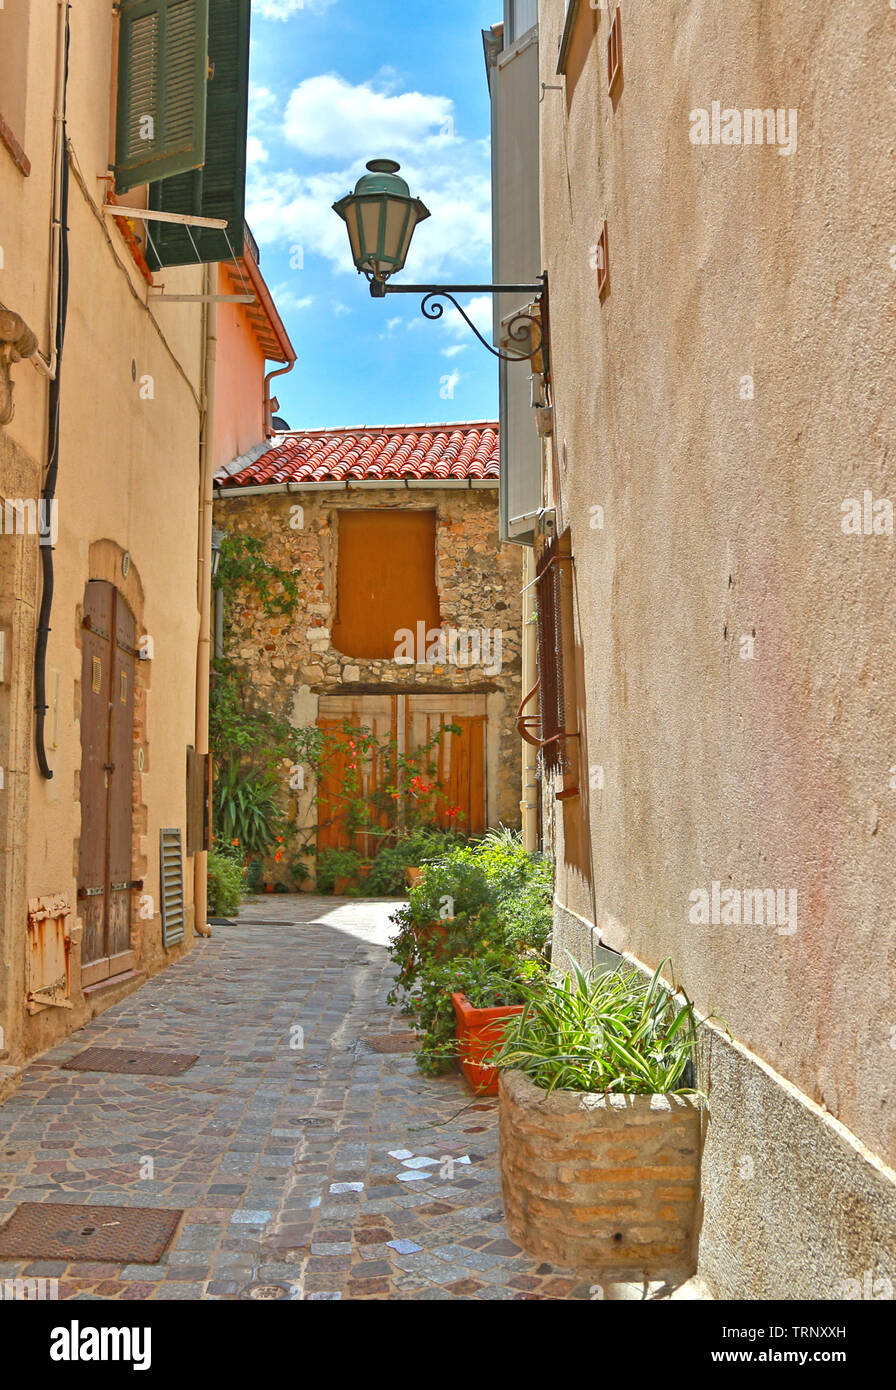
x=336, y=869
x=470, y=937
x=600, y=1125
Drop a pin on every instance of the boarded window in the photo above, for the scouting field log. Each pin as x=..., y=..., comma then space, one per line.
x=385, y=581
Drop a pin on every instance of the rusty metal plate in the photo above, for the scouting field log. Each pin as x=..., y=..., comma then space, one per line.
x=111, y=1235
x=392, y=1042
x=138, y=1061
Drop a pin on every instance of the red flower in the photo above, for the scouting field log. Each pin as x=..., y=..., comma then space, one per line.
x=278, y=856
x=234, y=842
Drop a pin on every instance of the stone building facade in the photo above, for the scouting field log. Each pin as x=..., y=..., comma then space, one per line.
x=311, y=497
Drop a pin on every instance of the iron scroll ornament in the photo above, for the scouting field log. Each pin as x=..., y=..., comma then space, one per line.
x=431, y=308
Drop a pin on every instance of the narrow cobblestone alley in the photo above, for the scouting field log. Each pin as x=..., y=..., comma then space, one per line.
x=332, y=1169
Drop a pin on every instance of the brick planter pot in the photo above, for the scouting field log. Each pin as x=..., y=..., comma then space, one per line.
x=603, y=1183
x=478, y=1033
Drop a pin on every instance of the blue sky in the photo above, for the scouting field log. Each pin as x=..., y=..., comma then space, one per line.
x=333, y=84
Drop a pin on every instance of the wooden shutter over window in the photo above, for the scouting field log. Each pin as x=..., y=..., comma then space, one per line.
x=172, y=881
x=386, y=580
x=218, y=189
x=198, y=801
x=162, y=80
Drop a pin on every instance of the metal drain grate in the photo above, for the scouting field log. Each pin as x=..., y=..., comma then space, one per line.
x=391, y=1042
x=111, y=1235
x=136, y=1060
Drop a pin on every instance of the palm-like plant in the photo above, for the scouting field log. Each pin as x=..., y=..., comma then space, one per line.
x=246, y=810
x=602, y=1032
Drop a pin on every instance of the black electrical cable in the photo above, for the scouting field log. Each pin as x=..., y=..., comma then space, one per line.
x=48, y=493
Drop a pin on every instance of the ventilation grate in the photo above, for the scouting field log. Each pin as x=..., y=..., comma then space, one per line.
x=172, y=880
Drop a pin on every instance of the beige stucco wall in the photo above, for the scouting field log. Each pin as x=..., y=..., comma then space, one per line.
x=128, y=482
x=722, y=521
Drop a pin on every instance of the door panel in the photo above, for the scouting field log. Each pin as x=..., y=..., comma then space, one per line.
x=121, y=753
x=412, y=720
x=107, y=722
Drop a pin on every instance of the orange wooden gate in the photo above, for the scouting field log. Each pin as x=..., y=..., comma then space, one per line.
x=412, y=721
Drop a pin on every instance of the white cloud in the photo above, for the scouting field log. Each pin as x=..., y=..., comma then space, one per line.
x=284, y=9
x=327, y=116
x=287, y=301
x=339, y=308
x=255, y=151
x=478, y=310
x=453, y=351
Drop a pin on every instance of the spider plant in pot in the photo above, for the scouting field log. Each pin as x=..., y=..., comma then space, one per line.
x=600, y=1124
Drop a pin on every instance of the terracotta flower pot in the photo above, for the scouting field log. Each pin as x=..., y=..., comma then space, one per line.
x=478, y=1033
x=412, y=877
x=269, y=887
x=435, y=934
x=339, y=886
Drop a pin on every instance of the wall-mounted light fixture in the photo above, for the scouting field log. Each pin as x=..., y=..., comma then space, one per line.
x=381, y=215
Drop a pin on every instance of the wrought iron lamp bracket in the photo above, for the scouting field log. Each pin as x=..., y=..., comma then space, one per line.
x=518, y=328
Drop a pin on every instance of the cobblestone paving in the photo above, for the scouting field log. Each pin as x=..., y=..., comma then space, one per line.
x=303, y=1157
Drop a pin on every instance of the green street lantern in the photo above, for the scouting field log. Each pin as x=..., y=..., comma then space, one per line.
x=381, y=216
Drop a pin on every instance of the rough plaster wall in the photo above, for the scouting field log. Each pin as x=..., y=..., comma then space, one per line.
x=723, y=515
x=291, y=661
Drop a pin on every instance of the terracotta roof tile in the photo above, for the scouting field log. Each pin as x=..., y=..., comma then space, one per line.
x=416, y=452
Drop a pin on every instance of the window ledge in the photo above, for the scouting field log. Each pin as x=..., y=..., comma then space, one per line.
x=19, y=157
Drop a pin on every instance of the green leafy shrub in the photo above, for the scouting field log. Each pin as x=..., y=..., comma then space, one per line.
x=480, y=916
x=226, y=884
x=612, y=1031
x=387, y=874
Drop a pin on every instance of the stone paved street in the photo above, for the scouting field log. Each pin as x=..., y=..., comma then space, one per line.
x=331, y=1169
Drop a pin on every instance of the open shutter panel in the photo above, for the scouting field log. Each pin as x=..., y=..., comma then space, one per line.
x=218, y=189
x=162, y=81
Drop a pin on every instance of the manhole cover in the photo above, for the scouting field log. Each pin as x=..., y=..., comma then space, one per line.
x=112, y=1235
x=136, y=1060
x=391, y=1042
x=260, y=1291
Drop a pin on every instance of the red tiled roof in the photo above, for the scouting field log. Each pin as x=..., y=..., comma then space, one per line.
x=399, y=452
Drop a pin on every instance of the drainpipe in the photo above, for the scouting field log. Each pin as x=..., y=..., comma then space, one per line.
x=203, y=653
x=268, y=413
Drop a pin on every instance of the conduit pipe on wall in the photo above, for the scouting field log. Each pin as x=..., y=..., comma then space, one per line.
x=204, y=559
x=47, y=365
x=48, y=492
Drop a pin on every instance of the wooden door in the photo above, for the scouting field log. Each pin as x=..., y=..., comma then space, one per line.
x=107, y=741
x=412, y=721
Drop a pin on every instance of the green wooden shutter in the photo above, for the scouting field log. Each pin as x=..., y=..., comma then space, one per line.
x=218, y=189
x=162, y=81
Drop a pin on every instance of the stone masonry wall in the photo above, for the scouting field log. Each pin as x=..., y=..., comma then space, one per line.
x=292, y=662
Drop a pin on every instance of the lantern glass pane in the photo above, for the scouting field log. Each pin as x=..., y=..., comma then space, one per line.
x=370, y=229
x=351, y=221
x=395, y=241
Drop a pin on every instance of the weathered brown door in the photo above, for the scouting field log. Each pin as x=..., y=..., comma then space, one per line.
x=107, y=742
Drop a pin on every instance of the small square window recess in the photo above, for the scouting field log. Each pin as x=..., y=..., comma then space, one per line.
x=603, y=262
x=614, y=51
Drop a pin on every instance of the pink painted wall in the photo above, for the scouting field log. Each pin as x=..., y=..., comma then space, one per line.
x=239, y=412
